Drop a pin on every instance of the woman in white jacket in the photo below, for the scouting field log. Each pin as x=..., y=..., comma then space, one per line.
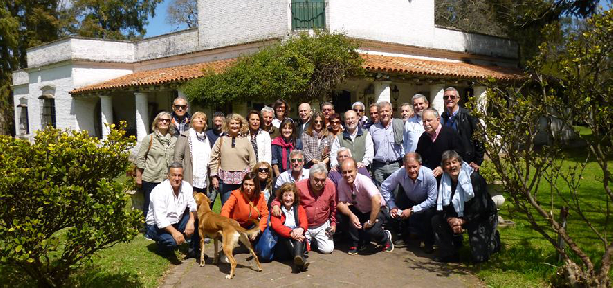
x=260, y=139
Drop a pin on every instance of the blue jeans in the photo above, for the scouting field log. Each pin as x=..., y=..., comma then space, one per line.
x=225, y=190
x=164, y=239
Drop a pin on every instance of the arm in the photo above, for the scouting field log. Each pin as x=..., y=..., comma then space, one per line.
x=252, y=159
x=432, y=193
x=277, y=224
x=262, y=206
x=376, y=207
x=266, y=154
x=389, y=185
x=142, y=151
x=180, y=149
x=332, y=205
x=215, y=158
x=228, y=207
x=370, y=150
x=343, y=207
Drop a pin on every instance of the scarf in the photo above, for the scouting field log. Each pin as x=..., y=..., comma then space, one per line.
x=463, y=191
x=279, y=141
x=200, y=150
x=164, y=139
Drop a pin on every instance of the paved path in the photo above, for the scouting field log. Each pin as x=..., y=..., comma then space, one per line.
x=401, y=268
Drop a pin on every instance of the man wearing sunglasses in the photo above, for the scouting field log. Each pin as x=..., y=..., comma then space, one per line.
x=297, y=171
x=180, y=116
x=465, y=124
x=359, y=108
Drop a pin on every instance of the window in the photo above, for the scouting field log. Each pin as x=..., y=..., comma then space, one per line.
x=308, y=14
x=24, y=125
x=48, y=112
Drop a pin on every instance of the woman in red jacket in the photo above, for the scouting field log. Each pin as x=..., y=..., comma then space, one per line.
x=291, y=226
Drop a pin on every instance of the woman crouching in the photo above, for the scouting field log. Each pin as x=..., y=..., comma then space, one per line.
x=291, y=226
x=247, y=205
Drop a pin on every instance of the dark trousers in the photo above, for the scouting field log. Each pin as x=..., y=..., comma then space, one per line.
x=147, y=187
x=420, y=222
x=164, y=239
x=483, y=237
x=288, y=248
x=225, y=190
x=211, y=193
x=360, y=236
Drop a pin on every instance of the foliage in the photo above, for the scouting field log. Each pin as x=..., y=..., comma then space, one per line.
x=548, y=105
x=468, y=15
x=182, y=12
x=60, y=203
x=303, y=68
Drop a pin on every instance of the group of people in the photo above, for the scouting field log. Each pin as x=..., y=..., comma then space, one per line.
x=370, y=179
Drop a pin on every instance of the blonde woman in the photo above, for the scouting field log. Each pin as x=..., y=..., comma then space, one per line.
x=264, y=171
x=155, y=154
x=194, y=151
x=232, y=156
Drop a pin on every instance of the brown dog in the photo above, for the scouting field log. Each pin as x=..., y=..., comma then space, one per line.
x=216, y=226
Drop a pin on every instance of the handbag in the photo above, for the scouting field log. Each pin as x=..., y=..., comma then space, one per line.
x=265, y=247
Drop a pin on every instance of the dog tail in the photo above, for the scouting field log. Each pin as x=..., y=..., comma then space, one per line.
x=255, y=230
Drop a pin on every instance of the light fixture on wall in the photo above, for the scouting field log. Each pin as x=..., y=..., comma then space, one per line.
x=395, y=94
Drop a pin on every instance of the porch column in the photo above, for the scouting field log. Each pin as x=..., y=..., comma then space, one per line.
x=106, y=114
x=382, y=91
x=436, y=97
x=481, y=98
x=142, y=115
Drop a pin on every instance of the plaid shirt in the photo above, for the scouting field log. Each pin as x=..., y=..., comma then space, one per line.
x=313, y=151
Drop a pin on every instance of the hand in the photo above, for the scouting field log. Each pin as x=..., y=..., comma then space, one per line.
x=355, y=221
x=252, y=236
x=474, y=166
x=215, y=181
x=315, y=161
x=332, y=229
x=275, y=211
x=179, y=238
x=360, y=165
x=189, y=228
x=406, y=213
x=333, y=168
x=438, y=171
x=394, y=213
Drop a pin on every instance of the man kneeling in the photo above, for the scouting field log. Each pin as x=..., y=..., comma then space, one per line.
x=172, y=213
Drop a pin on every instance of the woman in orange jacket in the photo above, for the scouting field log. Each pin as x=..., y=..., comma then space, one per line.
x=247, y=205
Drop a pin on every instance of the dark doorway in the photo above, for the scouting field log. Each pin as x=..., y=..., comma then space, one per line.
x=341, y=101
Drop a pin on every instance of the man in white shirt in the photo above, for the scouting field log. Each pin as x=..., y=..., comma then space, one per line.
x=172, y=213
x=414, y=126
x=297, y=171
x=354, y=138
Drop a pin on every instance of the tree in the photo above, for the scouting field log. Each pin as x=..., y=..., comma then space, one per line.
x=303, y=68
x=60, y=201
x=567, y=86
x=182, y=12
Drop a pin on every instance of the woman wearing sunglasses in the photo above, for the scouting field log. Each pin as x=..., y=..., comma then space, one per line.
x=316, y=142
x=264, y=171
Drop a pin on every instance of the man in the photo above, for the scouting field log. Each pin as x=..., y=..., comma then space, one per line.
x=180, y=116
x=387, y=139
x=304, y=112
x=342, y=154
x=267, y=115
x=172, y=213
x=327, y=108
x=406, y=111
x=462, y=122
x=359, y=108
x=356, y=139
x=374, y=116
x=416, y=201
x=435, y=140
x=216, y=130
x=297, y=171
x=414, y=127
x=318, y=197
x=260, y=139
x=360, y=202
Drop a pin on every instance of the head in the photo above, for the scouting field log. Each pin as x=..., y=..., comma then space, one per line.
x=317, y=177
x=351, y=120
x=254, y=120
x=327, y=108
x=342, y=154
x=281, y=109
x=236, y=125
x=385, y=112
x=175, y=175
x=373, y=112
x=317, y=123
x=288, y=129
x=431, y=120
x=267, y=114
x=251, y=185
x=349, y=170
x=335, y=122
x=358, y=107
x=406, y=111
x=451, y=162
x=288, y=194
x=218, y=120
x=412, y=163
x=198, y=121
x=420, y=103
x=304, y=112
x=162, y=123
x=264, y=171
x=296, y=159
x=179, y=106
x=451, y=97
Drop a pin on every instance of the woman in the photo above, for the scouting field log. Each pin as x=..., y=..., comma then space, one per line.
x=155, y=154
x=335, y=128
x=194, y=151
x=316, y=142
x=291, y=226
x=264, y=171
x=232, y=157
x=281, y=112
x=247, y=204
x=463, y=203
x=283, y=145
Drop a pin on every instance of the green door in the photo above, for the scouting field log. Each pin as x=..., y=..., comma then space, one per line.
x=308, y=14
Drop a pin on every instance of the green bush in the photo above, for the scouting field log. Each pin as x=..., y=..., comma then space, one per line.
x=60, y=202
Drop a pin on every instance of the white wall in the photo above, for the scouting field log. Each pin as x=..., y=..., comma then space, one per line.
x=171, y=44
x=77, y=49
x=91, y=73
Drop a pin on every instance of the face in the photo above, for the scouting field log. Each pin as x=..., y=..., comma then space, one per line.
x=351, y=120
x=297, y=162
x=235, y=127
x=198, y=123
x=248, y=187
x=280, y=111
x=263, y=173
x=175, y=176
x=385, y=114
x=336, y=124
x=288, y=198
x=267, y=119
x=286, y=131
x=304, y=111
x=163, y=123
x=451, y=99
x=419, y=105
x=359, y=109
x=327, y=110
x=430, y=121
x=318, y=124
x=406, y=112
x=452, y=167
x=180, y=107
x=374, y=114
x=412, y=167
x=217, y=123
x=254, y=122
x=342, y=155
x=318, y=181
x=349, y=171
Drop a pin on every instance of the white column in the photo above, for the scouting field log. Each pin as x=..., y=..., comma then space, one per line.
x=382, y=91
x=436, y=97
x=481, y=98
x=142, y=115
x=106, y=114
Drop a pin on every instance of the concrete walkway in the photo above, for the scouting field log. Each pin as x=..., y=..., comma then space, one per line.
x=401, y=268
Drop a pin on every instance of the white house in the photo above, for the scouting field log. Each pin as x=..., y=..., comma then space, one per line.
x=81, y=83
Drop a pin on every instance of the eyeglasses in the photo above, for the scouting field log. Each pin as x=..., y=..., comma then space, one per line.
x=358, y=110
x=296, y=160
x=318, y=121
x=164, y=119
x=446, y=97
x=336, y=122
x=182, y=107
x=263, y=170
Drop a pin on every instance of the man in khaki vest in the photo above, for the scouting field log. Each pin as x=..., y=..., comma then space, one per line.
x=356, y=139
